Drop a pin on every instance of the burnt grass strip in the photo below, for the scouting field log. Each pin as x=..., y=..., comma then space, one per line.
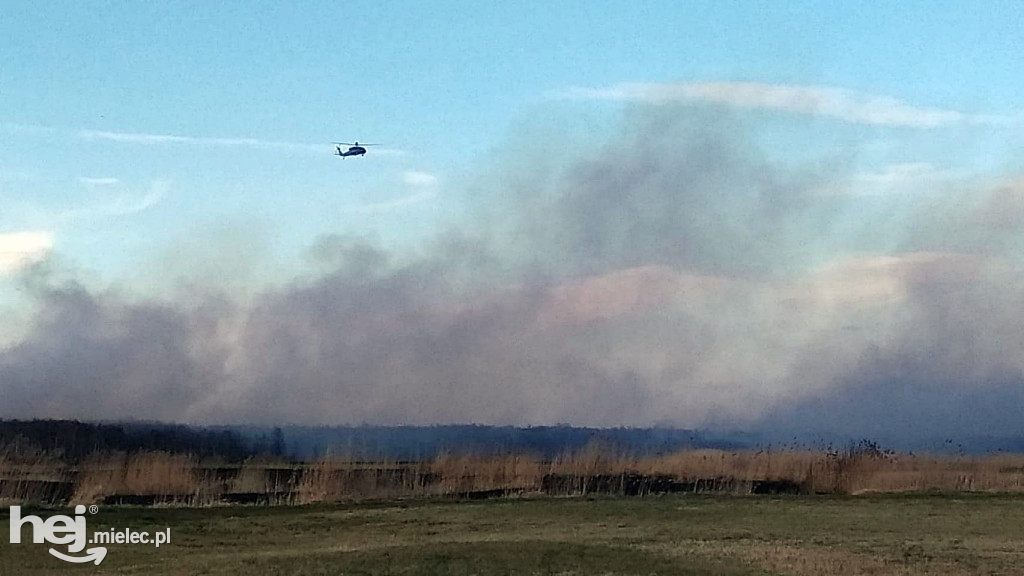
x=643, y=484
x=282, y=485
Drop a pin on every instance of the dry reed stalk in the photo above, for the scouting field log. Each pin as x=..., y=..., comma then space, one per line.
x=257, y=476
x=145, y=473
x=337, y=478
x=29, y=475
x=313, y=484
x=460, y=474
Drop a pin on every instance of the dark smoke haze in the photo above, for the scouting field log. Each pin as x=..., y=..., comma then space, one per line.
x=677, y=276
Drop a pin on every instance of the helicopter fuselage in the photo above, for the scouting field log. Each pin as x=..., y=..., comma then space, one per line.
x=352, y=151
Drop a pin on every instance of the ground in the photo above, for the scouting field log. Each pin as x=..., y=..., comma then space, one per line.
x=679, y=534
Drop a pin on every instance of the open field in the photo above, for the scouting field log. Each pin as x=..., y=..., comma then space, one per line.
x=675, y=534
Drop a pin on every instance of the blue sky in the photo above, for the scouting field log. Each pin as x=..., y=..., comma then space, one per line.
x=147, y=121
x=842, y=151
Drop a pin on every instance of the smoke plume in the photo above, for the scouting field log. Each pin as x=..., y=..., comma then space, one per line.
x=676, y=276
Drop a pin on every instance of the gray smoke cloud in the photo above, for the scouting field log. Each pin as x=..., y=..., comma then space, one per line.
x=675, y=276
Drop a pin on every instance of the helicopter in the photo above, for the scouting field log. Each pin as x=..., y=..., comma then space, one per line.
x=355, y=149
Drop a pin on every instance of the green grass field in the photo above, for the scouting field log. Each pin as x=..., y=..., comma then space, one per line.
x=868, y=534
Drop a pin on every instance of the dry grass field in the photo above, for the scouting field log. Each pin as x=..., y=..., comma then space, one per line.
x=679, y=534
x=162, y=478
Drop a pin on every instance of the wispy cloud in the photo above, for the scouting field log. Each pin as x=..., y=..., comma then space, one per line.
x=423, y=185
x=896, y=176
x=117, y=207
x=21, y=249
x=902, y=178
x=142, y=138
x=254, y=143
x=146, y=138
x=92, y=182
x=419, y=179
x=107, y=199
x=391, y=206
x=838, y=103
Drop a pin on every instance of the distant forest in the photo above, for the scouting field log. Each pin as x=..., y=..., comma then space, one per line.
x=420, y=442
x=73, y=441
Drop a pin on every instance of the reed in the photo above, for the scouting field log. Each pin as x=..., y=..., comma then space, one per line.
x=32, y=476
x=172, y=477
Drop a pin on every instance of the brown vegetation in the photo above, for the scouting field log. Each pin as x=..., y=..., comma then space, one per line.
x=164, y=478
